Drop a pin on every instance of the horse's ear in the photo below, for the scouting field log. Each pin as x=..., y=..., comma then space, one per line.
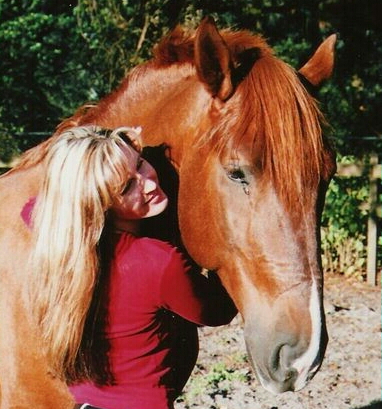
x=213, y=60
x=320, y=66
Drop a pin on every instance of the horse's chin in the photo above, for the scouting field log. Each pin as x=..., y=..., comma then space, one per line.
x=281, y=379
x=292, y=383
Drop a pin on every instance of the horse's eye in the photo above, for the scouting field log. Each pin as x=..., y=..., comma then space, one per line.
x=237, y=175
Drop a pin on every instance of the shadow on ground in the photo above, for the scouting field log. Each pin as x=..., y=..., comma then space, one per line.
x=372, y=405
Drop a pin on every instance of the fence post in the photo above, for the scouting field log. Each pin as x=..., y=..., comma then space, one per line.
x=372, y=224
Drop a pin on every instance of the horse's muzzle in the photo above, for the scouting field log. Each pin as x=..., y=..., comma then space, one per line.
x=286, y=365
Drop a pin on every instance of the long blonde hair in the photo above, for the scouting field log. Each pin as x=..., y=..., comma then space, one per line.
x=86, y=169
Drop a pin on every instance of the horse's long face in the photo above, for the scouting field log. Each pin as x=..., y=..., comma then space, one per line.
x=266, y=253
x=250, y=200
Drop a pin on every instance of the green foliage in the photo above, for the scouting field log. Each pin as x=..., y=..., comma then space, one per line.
x=119, y=34
x=344, y=224
x=352, y=99
x=36, y=61
x=219, y=379
x=8, y=146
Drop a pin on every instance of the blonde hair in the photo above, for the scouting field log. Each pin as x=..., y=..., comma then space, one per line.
x=86, y=169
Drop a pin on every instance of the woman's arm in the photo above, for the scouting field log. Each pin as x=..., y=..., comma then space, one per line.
x=197, y=298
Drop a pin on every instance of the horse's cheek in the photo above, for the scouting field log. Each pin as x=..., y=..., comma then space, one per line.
x=197, y=218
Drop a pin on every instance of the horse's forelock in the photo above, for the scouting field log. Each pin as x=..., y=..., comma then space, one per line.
x=272, y=112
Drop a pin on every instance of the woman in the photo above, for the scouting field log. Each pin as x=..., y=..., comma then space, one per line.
x=139, y=341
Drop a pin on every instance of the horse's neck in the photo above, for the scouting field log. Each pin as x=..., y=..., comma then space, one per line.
x=158, y=101
x=21, y=181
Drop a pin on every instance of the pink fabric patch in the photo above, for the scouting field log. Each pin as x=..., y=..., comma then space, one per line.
x=26, y=212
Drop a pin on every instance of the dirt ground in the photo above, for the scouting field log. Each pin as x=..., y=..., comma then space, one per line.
x=350, y=377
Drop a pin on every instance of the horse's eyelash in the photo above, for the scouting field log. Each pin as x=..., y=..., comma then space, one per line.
x=237, y=175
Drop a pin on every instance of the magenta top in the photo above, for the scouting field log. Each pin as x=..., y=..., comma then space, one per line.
x=156, y=303
x=153, y=349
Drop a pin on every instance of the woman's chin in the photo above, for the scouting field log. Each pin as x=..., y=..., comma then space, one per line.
x=157, y=206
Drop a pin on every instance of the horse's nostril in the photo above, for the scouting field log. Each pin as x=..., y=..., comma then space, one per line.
x=290, y=376
x=282, y=357
x=281, y=367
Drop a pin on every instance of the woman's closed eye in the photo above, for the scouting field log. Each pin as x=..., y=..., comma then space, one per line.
x=130, y=182
x=127, y=186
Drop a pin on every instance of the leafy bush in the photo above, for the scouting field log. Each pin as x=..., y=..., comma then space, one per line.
x=8, y=145
x=344, y=225
x=219, y=379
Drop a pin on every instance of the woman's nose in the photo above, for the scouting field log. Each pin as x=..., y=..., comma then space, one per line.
x=149, y=186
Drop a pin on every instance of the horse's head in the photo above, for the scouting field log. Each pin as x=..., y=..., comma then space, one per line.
x=252, y=187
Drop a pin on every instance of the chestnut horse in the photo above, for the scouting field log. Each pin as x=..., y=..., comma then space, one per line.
x=244, y=136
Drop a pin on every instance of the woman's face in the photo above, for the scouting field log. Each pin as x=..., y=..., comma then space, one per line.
x=142, y=196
